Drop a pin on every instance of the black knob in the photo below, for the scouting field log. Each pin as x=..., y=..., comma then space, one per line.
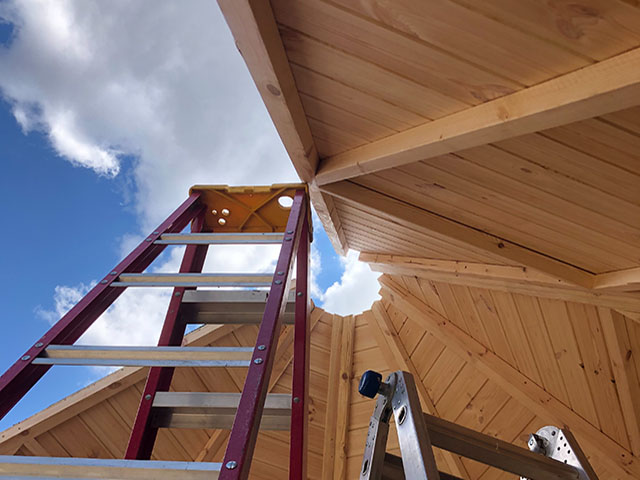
x=370, y=383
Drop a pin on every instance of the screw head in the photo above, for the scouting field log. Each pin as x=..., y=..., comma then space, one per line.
x=278, y=282
x=257, y=361
x=147, y=396
x=26, y=357
x=39, y=344
x=261, y=347
x=296, y=399
x=299, y=294
x=231, y=464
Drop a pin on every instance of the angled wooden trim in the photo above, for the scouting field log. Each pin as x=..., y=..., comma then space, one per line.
x=615, y=458
x=329, y=444
x=598, y=89
x=345, y=372
x=621, y=280
x=215, y=442
x=328, y=215
x=624, y=372
x=258, y=39
x=503, y=278
x=422, y=220
x=397, y=357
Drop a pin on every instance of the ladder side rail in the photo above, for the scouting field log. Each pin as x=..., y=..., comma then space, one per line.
x=143, y=433
x=418, y=460
x=24, y=374
x=239, y=453
x=373, y=461
x=301, y=348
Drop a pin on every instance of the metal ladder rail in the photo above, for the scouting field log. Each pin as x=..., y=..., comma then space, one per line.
x=419, y=432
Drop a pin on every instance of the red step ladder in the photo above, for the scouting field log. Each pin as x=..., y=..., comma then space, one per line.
x=218, y=215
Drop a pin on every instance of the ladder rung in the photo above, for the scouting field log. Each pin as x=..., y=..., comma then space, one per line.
x=146, y=356
x=229, y=306
x=215, y=410
x=16, y=466
x=193, y=280
x=220, y=239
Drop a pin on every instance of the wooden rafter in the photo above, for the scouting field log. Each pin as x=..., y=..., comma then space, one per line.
x=258, y=39
x=615, y=458
x=506, y=278
x=598, y=89
x=397, y=357
x=624, y=372
x=621, y=280
x=428, y=222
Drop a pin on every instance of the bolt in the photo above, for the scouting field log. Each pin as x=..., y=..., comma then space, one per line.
x=103, y=282
x=26, y=357
x=261, y=347
x=290, y=232
x=114, y=273
x=39, y=344
x=257, y=361
x=288, y=239
x=177, y=294
x=278, y=282
x=299, y=294
x=156, y=233
x=147, y=396
x=280, y=272
x=296, y=399
x=148, y=239
x=231, y=464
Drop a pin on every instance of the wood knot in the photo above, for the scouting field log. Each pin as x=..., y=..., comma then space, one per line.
x=273, y=89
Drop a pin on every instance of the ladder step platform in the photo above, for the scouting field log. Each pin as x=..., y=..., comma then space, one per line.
x=193, y=280
x=89, y=468
x=230, y=306
x=215, y=410
x=220, y=239
x=145, y=356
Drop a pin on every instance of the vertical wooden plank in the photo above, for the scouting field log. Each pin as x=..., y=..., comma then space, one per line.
x=624, y=372
x=329, y=448
x=344, y=397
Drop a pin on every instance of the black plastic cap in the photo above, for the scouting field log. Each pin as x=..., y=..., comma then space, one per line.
x=370, y=383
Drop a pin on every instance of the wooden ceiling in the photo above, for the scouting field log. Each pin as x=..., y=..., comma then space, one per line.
x=485, y=157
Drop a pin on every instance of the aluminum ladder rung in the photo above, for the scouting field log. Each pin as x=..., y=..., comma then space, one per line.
x=14, y=466
x=220, y=239
x=145, y=356
x=229, y=307
x=193, y=280
x=215, y=410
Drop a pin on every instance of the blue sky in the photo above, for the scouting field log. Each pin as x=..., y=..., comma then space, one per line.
x=101, y=133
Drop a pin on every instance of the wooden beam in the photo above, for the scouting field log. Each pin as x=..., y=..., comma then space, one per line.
x=424, y=221
x=598, y=89
x=329, y=217
x=621, y=353
x=344, y=397
x=621, y=280
x=617, y=460
x=216, y=441
x=329, y=443
x=257, y=37
x=504, y=278
x=398, y=358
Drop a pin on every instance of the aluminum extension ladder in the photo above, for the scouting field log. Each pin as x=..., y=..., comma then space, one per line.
x=553, y=453
x=218, y=215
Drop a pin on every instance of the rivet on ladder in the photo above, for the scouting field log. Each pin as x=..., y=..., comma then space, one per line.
x=280, y=272
x=26, y=357
x=261, y=347
x=147, y=396
x=231, y=465
x=257, y=361
x=299, y=294
x=288, y=239
x=156, y=233
x=39, y=344
x=296, y=399
x=278, y=282
x=290, y=232
x=114, y=273
x=177, y=294
x=103, y=282
x=148, y=239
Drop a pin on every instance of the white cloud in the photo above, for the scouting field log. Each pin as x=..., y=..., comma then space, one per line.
x=356, y=291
